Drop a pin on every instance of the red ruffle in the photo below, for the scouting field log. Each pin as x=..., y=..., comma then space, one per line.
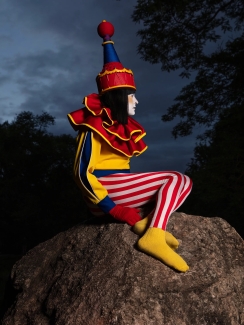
x=124, y=138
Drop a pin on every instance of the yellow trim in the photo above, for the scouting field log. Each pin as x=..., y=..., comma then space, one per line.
x=98, y=192
x=116, y=134
x=109, y=125
x=85, y=103
x=100, y=75
x=77, y=174
x=90, y=110
x=112, y=123
x=125, y=139
x=142, y=151
x=111, y=144
x=72, y=119
x=120, y=86
x=139, y=137
x=104, y=21
x=107, y=42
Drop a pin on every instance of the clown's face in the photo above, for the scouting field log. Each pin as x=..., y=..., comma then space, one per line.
x=132, y=101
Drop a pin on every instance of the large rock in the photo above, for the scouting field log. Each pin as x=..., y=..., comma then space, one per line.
x=92, y=274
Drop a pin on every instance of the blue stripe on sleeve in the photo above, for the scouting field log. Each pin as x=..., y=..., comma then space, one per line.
x=106, y=204
x=84, y=161
x=106, y=172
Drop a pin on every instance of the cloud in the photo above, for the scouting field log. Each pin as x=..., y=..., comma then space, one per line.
x=57, y=56
x=4, y=78
x=4, y=39
x=68, y=20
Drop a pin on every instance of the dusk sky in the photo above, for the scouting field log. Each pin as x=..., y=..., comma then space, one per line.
x=51, y=54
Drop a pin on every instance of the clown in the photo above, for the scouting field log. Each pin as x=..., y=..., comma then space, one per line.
x=108, y=138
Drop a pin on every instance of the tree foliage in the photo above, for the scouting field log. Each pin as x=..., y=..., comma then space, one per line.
x=219, y=85
x=205, y=37
x=217, y=171
x=38, y=197
x=180, y=34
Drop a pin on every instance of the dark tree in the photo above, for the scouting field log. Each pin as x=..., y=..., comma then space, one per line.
x=219, y=84
x=217, y=171
x=38, y=197
x=181, y=34
x=205, y=38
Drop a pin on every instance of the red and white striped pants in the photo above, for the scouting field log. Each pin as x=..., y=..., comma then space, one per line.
x=169, y=189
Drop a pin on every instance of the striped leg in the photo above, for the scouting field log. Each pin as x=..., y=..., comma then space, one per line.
x=169, y=189
x=170, y=197
x=141, y=226
x=129, y=190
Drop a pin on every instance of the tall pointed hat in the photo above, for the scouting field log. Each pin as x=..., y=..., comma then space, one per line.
x=113, y=74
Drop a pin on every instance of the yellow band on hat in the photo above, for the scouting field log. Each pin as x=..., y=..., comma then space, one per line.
x=114, y=71
x=108, y=42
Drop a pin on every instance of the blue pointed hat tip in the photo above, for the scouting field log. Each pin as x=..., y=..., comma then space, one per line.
x=106, y=30
x=110, y=54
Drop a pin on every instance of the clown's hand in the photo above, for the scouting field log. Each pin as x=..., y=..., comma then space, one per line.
x=125, y=214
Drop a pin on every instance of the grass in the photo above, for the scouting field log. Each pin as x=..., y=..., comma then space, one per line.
x=6, y=263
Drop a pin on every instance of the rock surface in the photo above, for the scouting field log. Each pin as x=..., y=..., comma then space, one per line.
x=92, y=274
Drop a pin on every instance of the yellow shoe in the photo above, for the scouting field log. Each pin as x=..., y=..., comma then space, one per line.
x=141, y=226
x=171, y=240
x=154, y=244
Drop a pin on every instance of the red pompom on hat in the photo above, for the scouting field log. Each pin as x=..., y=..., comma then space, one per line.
x=105, y=29
x=113, y=75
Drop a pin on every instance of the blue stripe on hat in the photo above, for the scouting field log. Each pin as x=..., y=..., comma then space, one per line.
x=109, y=54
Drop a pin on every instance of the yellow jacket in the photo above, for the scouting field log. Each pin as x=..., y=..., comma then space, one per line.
x=104, y=148
x=96, y=158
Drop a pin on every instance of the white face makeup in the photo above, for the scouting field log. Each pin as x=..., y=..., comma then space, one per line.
x=132, y=101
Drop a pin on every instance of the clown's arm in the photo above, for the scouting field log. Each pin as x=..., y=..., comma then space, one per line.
x=87, y=157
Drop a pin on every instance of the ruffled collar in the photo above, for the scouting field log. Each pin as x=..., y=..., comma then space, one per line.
x=124, y=138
